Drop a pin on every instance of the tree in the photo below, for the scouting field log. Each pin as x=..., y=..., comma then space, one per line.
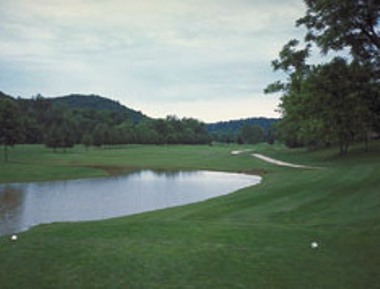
x=252, y=134
x=330, y=107
x=162, y=129
x=87, y=140
x=194, y=132
x=176, y=130
x=32, y=130
x=126, y=131
x=339, y=24
x=336, y=101
x=68, y=128
x=99, y=135
x=10, y=125
x=54, y=137
x=293, y=62
x=146, y=134
x=61, y=130
x=271, y=134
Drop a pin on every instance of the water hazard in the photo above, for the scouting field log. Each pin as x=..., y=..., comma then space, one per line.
x=23, y=206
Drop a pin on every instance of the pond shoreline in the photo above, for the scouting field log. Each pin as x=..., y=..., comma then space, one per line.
x=25, y=205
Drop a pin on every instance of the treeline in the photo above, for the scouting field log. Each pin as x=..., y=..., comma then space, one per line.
x=249, y=130
x=90, y=120
x=338, y=101
x=40, y=121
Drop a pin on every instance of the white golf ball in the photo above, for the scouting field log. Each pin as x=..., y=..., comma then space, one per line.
x=314, y=245
x=14, y=238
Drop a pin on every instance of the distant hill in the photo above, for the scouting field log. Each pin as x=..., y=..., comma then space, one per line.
x=5, y=96
x=96, y=102
x=234, y=126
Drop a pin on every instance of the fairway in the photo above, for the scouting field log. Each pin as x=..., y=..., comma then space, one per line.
x=261, y=236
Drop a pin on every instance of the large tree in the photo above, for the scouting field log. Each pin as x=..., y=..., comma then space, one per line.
x=336, y=101
x=339, y=113
x=353, y=25
x=292, y=61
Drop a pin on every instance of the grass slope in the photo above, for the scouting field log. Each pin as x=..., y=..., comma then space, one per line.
x=257, y=237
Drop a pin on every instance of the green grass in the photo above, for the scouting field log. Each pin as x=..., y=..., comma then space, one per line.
x=257, y=237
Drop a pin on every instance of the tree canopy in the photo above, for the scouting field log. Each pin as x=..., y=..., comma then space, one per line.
x=340, y=24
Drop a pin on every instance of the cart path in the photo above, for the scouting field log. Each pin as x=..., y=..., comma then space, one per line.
x=273, y=161
x=281, y=163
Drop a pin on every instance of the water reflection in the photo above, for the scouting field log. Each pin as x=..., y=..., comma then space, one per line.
x=26, y=205
x=11, y=201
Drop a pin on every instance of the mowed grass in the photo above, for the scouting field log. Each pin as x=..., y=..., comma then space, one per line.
x=257, y=237
x=36, y=163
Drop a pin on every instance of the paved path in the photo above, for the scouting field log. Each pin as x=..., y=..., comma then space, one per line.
x=281, y=163
x=238, y=152
x=273, y=161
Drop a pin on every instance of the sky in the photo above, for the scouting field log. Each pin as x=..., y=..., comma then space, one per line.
x=207, y=59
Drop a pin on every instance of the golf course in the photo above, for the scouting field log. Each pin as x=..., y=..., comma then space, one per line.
x=302, y=227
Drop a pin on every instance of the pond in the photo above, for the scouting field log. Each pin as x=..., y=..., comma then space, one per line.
x=23, y=206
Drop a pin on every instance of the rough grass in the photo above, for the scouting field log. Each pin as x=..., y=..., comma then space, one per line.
x=257, y=237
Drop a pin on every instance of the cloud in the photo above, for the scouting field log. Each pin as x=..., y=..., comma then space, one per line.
x=147, y=51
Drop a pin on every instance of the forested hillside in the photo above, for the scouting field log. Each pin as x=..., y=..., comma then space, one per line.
x=89, y=120
x=4, y=96
x=93, y=120
x=237, y=130
x=96, y=102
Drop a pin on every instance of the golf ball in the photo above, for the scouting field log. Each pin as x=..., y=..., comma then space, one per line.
x=314, y=245
x=14, y=238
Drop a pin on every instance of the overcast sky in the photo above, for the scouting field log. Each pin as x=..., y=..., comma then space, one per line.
x=208, y=59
